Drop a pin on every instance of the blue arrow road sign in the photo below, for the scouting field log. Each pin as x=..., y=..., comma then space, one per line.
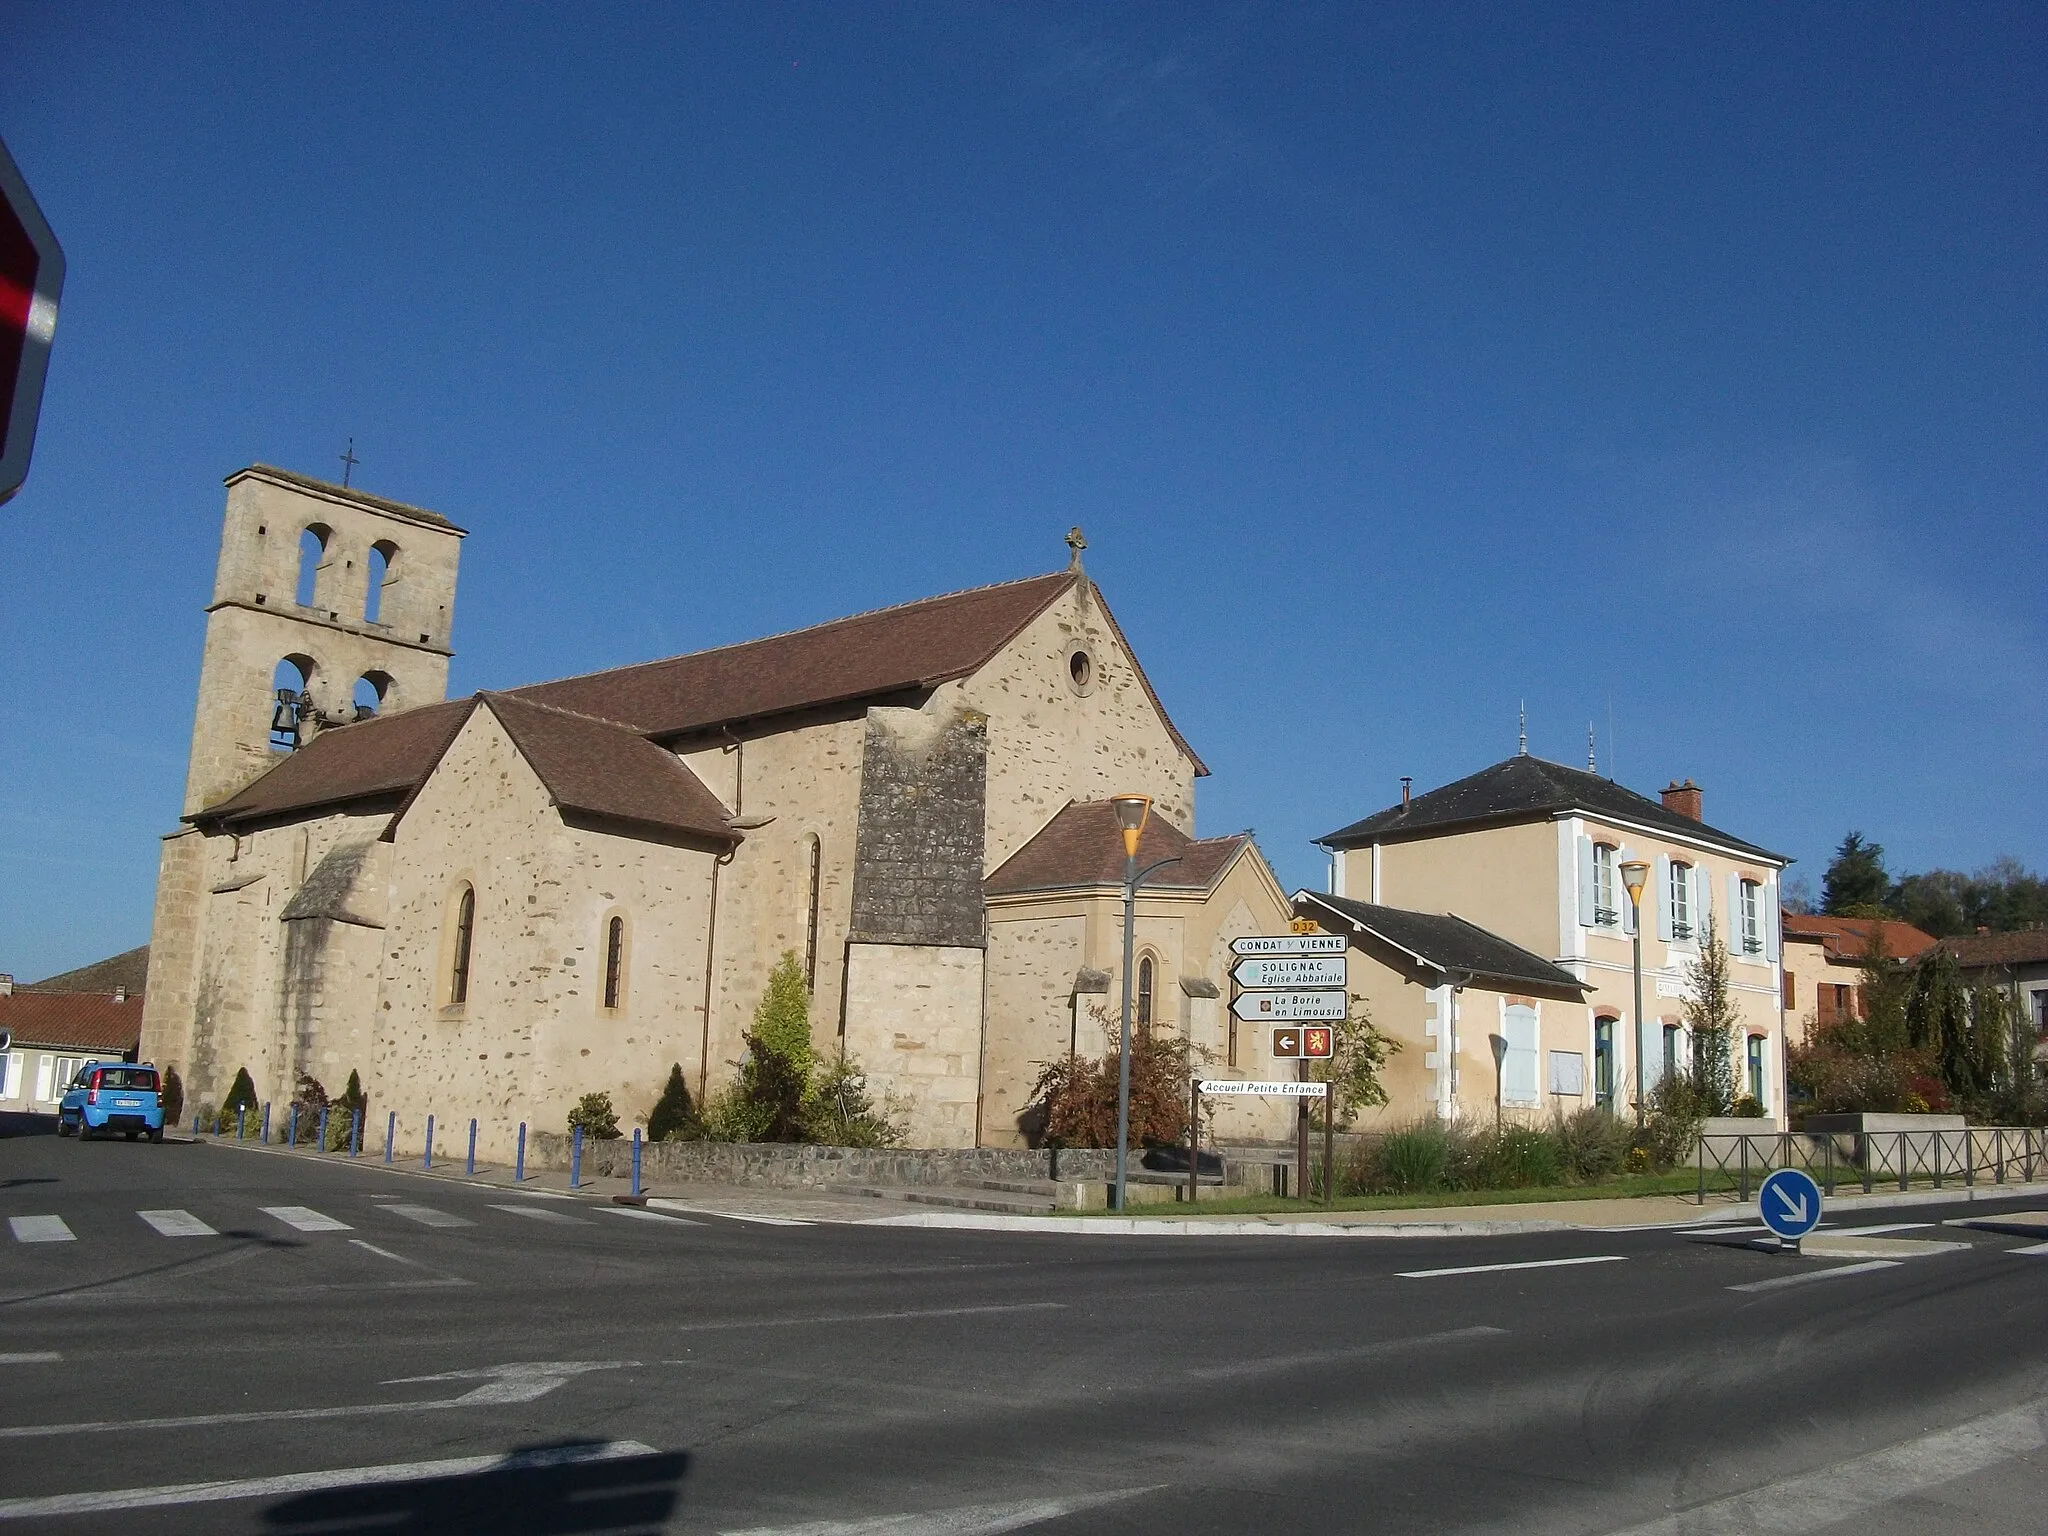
x=1791, y=1203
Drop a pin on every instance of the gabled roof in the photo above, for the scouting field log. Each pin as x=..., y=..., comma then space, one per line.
x=1525, y=788
x=129, y=970
x=77, y=1021
x=2028, y=946
x=1440, y=942
x=1081, y=848
x=1848, y=938
x=890, y=652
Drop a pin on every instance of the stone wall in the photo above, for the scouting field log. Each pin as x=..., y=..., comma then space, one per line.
x=913, y=1022
x=791, y=1167
x=923, y=799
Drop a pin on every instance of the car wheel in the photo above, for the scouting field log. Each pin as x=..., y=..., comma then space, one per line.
x=157, y=1134
x=132, y=1134
x=84, y=1131
x=62, y=1128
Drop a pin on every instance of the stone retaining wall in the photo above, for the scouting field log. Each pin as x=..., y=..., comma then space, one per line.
x=791, y=1167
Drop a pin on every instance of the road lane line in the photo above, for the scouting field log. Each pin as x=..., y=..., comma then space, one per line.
x=305, y=1218
x=639, y=1215
x=32, y=1357
x=542, y=1213
x=177, y=1224
x=1357, y=1352
x=316, y=1482
x=1818, y=1274
x=1489, y=1269
x=973, y=1520
x=862, y=1317
x=427, y=1216
x=2030, y=1248
x=760, y=1221
x=1835, y=1495
x=1896, y=1226
x=41, y=1229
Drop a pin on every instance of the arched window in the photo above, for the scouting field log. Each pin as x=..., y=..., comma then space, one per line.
x=1145, y=978
x=614, y=961
x=312, y=555
x=369, y=693
x=289, y=683
x=459, y=946
x=813, y=882
x=383, y=555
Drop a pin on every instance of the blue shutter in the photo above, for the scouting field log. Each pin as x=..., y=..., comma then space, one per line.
x=1585, y=882
x=1767, y=900
x=1703, y=903
x=1662, y=876
x=1733, y=937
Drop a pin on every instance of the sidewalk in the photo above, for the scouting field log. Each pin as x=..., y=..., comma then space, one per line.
x=767, y=1203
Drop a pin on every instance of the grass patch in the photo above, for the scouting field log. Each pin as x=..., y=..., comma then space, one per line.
x=1682, y=1181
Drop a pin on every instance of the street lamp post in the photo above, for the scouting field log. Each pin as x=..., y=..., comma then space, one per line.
x=1132, y=811
x=1635, y=874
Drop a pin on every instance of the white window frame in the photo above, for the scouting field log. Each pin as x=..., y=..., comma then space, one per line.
x=10, y=1074
x=1678, y=881
x=1751, y=918
x=1756, y=1069
x=1606, y=886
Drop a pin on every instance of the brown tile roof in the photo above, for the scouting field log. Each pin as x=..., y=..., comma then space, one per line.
x=602, y=769
x=2029, y=946
x=889, y=651
x=80, y=1021
x=129, y=969
x=1082, y=846
x=1848, y=938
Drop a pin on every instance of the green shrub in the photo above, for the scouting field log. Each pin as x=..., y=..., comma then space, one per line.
x=595, y=1116
x=674, y=1116
x=241, y=1091
x=1591, y=1144
x=782, y=1019
x=1747, y=1108
x=840, y=1113
x=1508, y=1157
x=1413, y=1159
x=173, y=1096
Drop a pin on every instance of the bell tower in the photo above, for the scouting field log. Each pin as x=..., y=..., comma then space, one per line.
x=355, y=593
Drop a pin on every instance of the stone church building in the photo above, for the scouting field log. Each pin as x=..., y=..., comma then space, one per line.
x=492, y=905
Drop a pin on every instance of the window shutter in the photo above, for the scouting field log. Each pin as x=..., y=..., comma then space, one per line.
x=1585, y=882
x=1703, y=905
x=1767, y=898
x=1662, y=876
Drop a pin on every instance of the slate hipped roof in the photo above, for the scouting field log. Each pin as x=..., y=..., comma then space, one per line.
x=1440, y=942
x=129, y=970
x=891, y=652
x=1525, y=788
x=2027, y=946
x=1082, y=846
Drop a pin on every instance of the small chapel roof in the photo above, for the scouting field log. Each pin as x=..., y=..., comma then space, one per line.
x=1082, y=846
x=1441, y=943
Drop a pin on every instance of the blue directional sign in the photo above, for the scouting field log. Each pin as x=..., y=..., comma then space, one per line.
x=1791, y=1203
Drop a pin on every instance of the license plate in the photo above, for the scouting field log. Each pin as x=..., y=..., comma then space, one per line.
x=127, y=1103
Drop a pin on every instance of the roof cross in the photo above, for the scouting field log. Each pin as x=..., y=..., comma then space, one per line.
x=348, y=463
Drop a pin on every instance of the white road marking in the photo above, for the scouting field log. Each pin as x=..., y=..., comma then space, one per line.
x=32, y=1357
x=1896, y=1226
x=1328, y=1356
x=761, y=1221
x=305, y=1218
x=862, y=1317
x=541, y=1213
x=1488, y=1269
x=40, y=1229
x=640, y=1215
x=2030, y=1248
x=973, y=1520
x=315, y=1482
x=427, y=1216
x=177, y=1224
x=1818, y=1274
x=1835, y=1495
x=520, y=1382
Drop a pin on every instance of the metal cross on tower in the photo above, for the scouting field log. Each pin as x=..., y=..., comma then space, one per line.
x=348, y=463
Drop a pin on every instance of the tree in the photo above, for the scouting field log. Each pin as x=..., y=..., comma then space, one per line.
x=1881, y=997
x=1711, y=1015
x=1359, y=1055
x=1076, y=1095
x=674, y=1116
x=782, y=1019
x=241, y=1093
x=1856, y=883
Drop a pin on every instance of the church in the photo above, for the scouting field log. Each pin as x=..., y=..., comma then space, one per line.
x=490, y=906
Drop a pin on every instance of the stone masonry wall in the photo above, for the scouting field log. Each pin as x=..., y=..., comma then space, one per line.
x=923, y=796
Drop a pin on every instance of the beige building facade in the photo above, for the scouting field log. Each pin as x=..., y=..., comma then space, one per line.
x=489, y=906
x=1531, y=852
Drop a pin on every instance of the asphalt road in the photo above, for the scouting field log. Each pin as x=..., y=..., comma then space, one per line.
x=353, y=1349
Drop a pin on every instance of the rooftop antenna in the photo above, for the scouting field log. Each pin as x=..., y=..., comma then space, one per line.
x=1522, y=745
x=1613, y=758
x=1592, y=765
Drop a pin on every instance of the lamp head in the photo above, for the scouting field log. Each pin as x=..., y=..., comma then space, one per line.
x=1132, y=811
x=1635, y=874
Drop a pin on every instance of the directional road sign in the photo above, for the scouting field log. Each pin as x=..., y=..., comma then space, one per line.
x=31, y=276
x=1275, y=1007
x=1291, y=944
x=1293, y=971
x=1212, y=1086
x=1791, y=1203
x=1315, y=1042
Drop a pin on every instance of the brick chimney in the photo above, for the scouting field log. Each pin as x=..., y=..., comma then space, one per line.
x=1684, y=799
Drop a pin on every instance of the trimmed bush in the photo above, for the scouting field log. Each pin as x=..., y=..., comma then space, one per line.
x=595, y=1116
x=674, y=1116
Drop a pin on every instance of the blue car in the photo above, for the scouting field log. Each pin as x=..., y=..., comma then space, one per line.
x=109, y=1096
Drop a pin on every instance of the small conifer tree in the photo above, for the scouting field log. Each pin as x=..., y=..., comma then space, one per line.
x=782, y=1019
x=1712, y=1017
x=242, y=1091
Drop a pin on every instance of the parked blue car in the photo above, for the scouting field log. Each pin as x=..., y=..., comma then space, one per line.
x=109, y=1096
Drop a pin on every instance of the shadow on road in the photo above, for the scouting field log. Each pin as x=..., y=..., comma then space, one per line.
x=17, y=1123
x=543, y=1490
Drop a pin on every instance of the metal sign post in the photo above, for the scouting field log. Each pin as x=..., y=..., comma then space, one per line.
x=1194, y=1136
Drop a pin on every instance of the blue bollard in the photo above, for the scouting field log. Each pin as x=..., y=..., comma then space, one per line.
x=576, y=1159
x=355, y=1132
x=291, y=1123
x=469, y=1168
x=636, y=1162
x=195, y=1122
x=321, y=1145
x=266, y=1122
x=427, y=1157
x=241, y=1121
x=390, y=1130
x=519, y=1168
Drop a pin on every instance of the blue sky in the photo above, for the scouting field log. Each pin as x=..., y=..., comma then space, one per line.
x=1401, y=363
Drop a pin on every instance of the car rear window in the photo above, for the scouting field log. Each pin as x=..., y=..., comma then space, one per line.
x=129, y=1077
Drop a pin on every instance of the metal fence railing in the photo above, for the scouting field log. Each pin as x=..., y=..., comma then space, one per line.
x=1934, y=1158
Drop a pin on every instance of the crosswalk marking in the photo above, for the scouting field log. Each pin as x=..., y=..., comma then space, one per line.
x=1490, y=1269
x=427, y=1216
x=177, y=1224
x=640, y=1215
x=542, y=1213
x=305, y=1218
x=40, y=1229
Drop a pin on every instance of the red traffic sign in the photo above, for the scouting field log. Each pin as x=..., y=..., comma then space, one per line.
x=31, y=277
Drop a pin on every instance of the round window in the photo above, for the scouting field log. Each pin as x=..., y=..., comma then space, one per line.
x=1081, y=669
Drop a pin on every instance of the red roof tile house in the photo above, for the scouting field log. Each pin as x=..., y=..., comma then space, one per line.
x=492, y=905
x=55, y=1026
x=1824, y=959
